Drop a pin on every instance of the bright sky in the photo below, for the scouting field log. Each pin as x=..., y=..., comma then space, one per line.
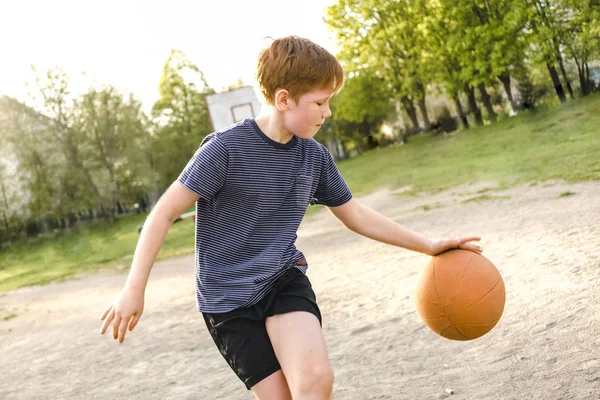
x=125, y=43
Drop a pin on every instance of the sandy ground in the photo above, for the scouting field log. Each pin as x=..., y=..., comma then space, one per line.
x=546, y=346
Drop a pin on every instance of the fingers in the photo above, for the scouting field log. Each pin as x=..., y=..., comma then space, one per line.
x=134, y=321
x=123, y=329
x=471, y=247
x=466, y=243
x=108, y=316
x=116, y=325
x=470, y=239
x=106, y=312
x=119, y=322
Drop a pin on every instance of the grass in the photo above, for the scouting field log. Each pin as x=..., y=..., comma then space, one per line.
x=484, y=197
x=8, y=315
x=83, y=251
x=562, y=143
x=429, y=207
x=566, y=194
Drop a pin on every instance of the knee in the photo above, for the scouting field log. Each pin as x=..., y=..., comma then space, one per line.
x=313, y=383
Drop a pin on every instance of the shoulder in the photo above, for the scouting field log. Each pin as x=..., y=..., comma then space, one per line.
x=315, y=147
x=231, y=135
x=318, y=150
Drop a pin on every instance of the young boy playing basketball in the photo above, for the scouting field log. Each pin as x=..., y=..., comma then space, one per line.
x=252, y=183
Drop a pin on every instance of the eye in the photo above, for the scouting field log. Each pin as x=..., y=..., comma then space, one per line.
x=320, y=103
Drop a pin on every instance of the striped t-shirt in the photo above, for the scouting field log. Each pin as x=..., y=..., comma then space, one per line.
x=253, y=193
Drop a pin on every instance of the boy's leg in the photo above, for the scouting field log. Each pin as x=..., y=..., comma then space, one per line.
x=299, y=345
x=274, y=387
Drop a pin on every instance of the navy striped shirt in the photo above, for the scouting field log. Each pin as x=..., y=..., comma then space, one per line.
x=253, y=193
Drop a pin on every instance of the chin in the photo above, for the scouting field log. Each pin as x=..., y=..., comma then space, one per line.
x=308, y=134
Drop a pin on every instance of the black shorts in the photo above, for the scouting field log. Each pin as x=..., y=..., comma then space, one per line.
x=241, y=335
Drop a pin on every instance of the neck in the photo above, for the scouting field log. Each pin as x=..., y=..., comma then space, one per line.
x=272, y=125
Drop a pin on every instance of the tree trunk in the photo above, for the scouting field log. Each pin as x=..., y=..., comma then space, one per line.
x=423, y=109
x=564, y=75
x=461, y=112
x=487, y=102
x=410, y=109
x=587, y=77
x=5, y=208
x=505, y=79
x=556, y=82
x=473, y=108
x=582, y=78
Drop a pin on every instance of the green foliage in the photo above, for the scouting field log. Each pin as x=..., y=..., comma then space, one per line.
x=446, y=122
x=556, y=144
x=75, y=153
x=531, y=88
x=450, y=46
x=357, y=112
x=96, y=151
x=116, y=144
x=364, y=98
x=385, y=38
x=181, y=116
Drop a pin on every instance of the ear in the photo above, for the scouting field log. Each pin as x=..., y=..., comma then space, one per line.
x=282, y=99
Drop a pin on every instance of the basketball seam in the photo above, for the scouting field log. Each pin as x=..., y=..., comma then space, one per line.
x=462, y=274
x=458, y=330
x=455, y=313
x=442, y=305
x=449, y=316
x=455, y=327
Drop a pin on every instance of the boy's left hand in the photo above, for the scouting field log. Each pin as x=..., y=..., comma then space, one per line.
x=465, y=243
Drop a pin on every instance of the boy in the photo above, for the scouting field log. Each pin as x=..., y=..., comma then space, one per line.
x=252, y=183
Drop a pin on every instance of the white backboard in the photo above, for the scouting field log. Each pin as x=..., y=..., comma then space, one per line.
x=233, y=106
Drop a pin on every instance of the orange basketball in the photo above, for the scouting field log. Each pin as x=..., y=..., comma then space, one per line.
x=460, y=295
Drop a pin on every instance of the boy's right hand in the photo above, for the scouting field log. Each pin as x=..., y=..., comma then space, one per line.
x=124, y=312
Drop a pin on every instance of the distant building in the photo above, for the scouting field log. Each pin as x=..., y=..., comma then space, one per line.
x=15, y=119
x=13, y=194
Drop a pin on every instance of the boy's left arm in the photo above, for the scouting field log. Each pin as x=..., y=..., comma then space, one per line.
x=368, y=222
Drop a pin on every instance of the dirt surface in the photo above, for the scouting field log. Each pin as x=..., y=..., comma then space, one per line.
x=546, y=346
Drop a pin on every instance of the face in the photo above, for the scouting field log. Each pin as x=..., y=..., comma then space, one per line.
x=305, y=118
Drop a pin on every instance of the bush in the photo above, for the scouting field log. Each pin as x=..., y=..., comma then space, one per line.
x=445, y=121
x=530, y=93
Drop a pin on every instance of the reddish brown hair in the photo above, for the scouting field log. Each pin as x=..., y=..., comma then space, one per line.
x=299, y=66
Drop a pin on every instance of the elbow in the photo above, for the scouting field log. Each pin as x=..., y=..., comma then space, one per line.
x=162, y=211
x=355, y=222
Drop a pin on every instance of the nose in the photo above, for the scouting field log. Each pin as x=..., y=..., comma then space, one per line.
x=327, y=112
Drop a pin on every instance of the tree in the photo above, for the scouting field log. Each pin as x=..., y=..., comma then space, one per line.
x=385, y=37
x=39, y=160
x=360, y=108
x=115, y=145
x=582, y=37
x=59, y=110
x=180, y=115
x=545, y=38
x=79, y=151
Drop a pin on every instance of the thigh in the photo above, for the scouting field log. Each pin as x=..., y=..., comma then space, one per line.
x=299, y=344
x=242, y=339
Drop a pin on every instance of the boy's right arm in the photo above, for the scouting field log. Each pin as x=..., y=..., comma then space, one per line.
x=127, y=308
